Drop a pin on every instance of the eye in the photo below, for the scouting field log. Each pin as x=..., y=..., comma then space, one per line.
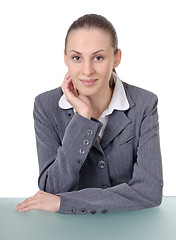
x=98, y=58
x=76, y=58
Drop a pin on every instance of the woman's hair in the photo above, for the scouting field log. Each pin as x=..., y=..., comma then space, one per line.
x=96, y=21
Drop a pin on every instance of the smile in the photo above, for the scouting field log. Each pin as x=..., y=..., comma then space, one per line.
x=88, y=82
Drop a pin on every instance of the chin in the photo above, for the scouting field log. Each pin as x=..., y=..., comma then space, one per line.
x=87, y=92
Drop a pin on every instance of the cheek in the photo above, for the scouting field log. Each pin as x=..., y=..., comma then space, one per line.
x=73, y=70
x=105, y=71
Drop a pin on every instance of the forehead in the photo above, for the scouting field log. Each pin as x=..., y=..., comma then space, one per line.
x=88, y=39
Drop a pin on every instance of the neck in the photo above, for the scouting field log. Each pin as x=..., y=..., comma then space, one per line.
x=100, y=101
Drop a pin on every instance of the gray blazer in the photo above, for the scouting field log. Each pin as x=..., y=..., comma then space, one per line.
x=121, y=172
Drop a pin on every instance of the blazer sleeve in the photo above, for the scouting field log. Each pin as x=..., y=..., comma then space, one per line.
x=60, y=162
x=144, y=189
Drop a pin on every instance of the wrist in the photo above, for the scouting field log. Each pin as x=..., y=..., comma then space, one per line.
x=58, y=203
x=86, y=115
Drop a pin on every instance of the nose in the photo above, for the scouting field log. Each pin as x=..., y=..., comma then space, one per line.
x=87, y=68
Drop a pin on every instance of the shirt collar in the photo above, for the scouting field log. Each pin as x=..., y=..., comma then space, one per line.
x=119, y=99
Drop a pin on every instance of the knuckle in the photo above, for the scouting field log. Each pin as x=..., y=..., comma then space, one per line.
x=23, y=204
x=27, y=209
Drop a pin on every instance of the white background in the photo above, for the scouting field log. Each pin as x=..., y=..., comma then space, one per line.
x=32, y=35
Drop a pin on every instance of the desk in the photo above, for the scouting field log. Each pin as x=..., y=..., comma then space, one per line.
x=147, y=224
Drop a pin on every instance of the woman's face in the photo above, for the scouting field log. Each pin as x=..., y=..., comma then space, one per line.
x=90, y=60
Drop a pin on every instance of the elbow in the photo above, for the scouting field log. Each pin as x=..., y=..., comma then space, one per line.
x=158, y=196
x=158, y=202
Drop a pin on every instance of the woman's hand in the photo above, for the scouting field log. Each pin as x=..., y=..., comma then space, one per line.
x=40, y=201
x=80, y=103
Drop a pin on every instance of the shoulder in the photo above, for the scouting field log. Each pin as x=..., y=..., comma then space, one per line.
x=49, y=99
x=141, y=97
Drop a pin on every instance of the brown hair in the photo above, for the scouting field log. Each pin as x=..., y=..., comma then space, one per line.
x=96, y=21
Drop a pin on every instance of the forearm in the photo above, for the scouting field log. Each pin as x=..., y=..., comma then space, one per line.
x=119, y=198
x=63, y=174
x=143, y=191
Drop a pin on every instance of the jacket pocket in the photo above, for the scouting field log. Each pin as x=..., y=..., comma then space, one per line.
x=127, y=140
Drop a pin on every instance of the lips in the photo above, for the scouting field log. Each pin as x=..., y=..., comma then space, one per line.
x=88, y=80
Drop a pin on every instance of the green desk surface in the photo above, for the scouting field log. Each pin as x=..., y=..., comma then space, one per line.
x=148, y=224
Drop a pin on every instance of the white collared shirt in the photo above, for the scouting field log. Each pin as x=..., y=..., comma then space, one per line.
x=119, y=101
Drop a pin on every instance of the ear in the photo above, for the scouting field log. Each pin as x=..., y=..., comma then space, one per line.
x=117, y=58
x=65, y=58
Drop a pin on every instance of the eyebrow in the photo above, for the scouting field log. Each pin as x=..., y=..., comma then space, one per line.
x=92, y=53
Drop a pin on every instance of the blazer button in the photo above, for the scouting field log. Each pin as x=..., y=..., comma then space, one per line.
x=93, y=211
x=81, y=151
x=79, y=161
x=86, y=142
x=72, y=210
x=83, y=210
x=89, y=132
x=104, y=186
x=101, y=164
x=104, y=211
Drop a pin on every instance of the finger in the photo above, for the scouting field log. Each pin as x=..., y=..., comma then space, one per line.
x=69, y=85
x=65, y=83
x=35, y=206
x=69, y=89
x=25, y=203
x=67, y=76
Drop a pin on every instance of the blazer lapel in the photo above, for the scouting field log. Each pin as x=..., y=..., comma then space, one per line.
x=117, y=121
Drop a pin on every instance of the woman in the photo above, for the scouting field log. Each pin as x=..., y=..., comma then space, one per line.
x=97, y=137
